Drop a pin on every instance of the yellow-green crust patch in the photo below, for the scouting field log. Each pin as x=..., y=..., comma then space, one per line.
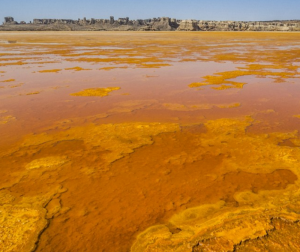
x=96, y=91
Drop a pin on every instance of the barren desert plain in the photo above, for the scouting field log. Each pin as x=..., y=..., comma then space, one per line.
x=149, y=141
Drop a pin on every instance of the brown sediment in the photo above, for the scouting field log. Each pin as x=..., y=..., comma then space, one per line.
x=276, y=238
x=96, y=91
x=271, y=237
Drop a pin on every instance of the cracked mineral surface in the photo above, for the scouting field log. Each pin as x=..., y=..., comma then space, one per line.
x=169, y=142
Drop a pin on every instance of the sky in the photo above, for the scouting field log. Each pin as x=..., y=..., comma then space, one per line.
x=237, y=10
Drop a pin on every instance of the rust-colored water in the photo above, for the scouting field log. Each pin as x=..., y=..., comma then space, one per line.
x=109, y=140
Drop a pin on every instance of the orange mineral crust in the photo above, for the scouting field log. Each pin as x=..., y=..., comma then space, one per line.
x=183, y=141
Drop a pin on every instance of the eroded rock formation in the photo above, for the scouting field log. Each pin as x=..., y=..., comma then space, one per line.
x=188, y=25
x=154, y=24
x=9, y=20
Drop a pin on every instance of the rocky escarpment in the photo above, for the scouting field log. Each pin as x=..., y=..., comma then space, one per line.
x=188, y=25
x=154, y=24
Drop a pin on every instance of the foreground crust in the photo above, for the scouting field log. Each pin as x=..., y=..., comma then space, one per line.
x=258, y=220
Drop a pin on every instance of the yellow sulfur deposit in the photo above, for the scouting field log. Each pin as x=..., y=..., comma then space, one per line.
x=6, y=119
x=20, y=227
x=232, y=105
x=182, y=107
x=10, y=80
x=222, y=226
x=47, y=162
x=76, y=68
x=50, y=71
x=33, y=93
x=23, y=221
x=96, y=91
x=223, y=80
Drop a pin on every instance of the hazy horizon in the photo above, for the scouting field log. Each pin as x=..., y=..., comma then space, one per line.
x=191, y=9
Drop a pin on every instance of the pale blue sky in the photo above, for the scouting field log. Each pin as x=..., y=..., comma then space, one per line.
x=245, y=10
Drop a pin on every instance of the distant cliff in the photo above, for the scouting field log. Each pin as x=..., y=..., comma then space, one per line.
x=154, y=24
